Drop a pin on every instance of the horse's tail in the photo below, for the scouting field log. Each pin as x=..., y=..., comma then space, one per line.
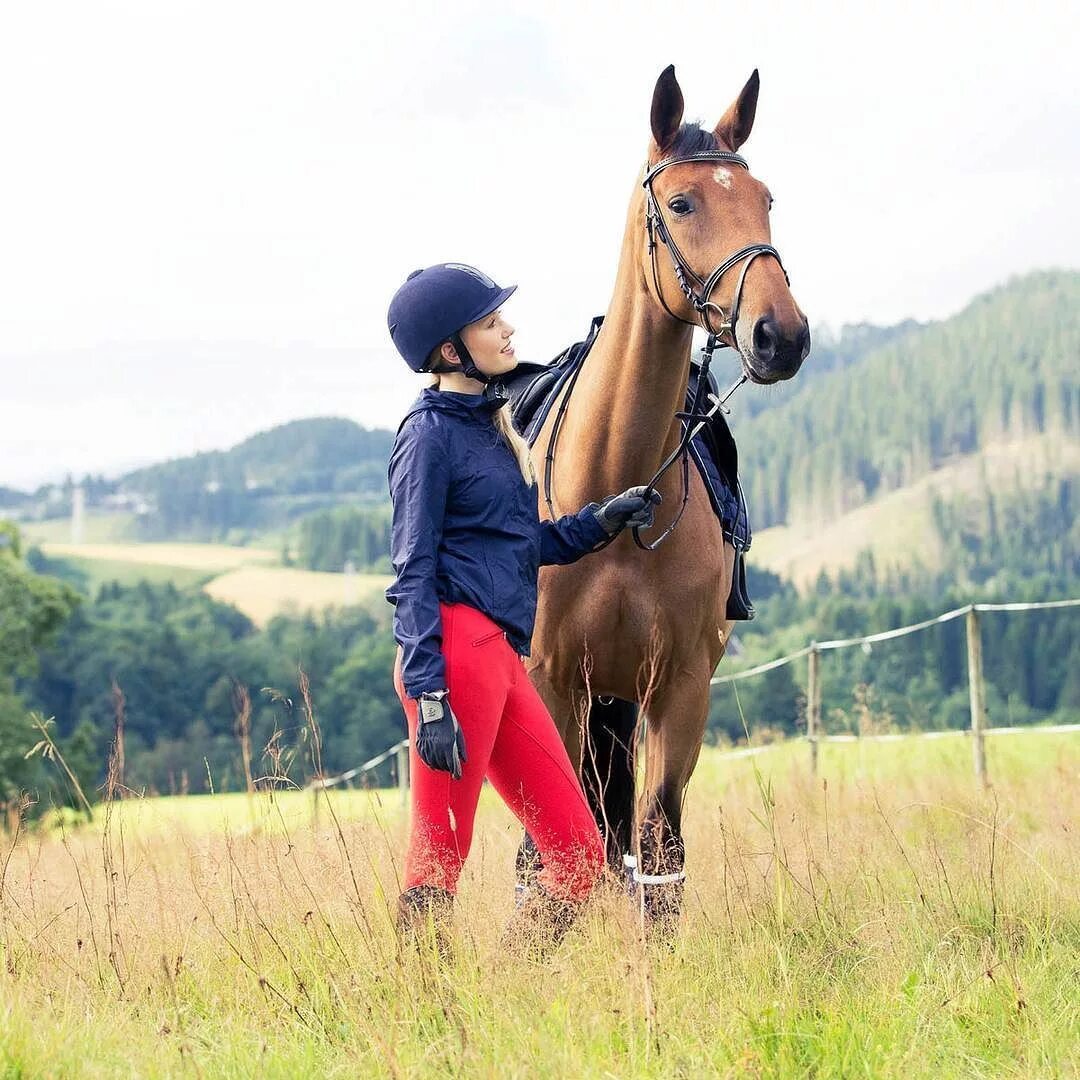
x=607, y=773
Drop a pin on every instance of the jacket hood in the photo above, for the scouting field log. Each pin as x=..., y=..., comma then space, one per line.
x=466, y=406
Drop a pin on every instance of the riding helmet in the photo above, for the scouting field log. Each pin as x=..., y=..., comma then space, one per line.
x=435, y=303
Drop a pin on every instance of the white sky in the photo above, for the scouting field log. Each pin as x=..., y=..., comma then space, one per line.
x=206, y=206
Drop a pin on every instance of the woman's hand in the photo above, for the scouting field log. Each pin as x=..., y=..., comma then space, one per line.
x=631, y=508
x=440, y=742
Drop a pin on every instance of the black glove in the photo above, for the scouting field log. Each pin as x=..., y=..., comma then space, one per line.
x=631, y=508
x=440, y=743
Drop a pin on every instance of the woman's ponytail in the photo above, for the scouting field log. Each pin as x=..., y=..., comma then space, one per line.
x=518, y=446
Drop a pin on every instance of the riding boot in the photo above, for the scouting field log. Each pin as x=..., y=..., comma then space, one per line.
x=538, y=925
x=424, y=920
x=527, y=867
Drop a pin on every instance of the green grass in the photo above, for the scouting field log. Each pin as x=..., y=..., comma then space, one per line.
x=886, y=919
x=98, y=528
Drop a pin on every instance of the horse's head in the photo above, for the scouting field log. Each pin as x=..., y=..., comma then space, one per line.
x=712, y=217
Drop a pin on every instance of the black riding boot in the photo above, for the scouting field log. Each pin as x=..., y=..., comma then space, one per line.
x=424, y=920
x=538, y=925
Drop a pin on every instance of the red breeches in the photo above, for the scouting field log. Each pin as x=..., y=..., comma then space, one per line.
x=511, y=739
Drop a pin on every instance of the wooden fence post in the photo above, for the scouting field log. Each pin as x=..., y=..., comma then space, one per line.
x=975, y=686
x=403, y=773
x=813, y=705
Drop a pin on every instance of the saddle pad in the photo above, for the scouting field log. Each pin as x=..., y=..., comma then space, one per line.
x=534, y=388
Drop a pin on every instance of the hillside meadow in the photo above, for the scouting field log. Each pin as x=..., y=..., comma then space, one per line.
x=897, y=529
x=886, y=919
x=248, y=578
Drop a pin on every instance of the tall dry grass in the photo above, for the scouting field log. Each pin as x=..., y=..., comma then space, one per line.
x=886, y=920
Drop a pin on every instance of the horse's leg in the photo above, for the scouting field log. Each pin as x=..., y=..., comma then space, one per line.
x=607, y=773
x=677, y=713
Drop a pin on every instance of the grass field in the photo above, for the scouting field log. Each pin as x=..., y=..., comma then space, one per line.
x=98, y=528
x=261, y=592
x=886, y=920
x=248, y=578
x=206, y=558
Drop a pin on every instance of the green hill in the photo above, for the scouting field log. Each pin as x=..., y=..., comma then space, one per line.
x=1002, y=370
x=951, y=447
x=263, y=483
x=12, y=499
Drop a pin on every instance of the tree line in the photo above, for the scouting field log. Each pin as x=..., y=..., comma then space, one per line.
x=346, y=536
x=174, y=661
x=1031, y=660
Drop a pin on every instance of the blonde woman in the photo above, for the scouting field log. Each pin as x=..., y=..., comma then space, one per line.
x=467, y=543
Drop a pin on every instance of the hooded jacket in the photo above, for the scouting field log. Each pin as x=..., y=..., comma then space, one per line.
x=466, y=530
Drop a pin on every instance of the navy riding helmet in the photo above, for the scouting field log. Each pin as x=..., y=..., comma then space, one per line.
x=434, y=304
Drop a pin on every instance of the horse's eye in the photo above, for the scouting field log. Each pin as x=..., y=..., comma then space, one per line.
x=679, y=205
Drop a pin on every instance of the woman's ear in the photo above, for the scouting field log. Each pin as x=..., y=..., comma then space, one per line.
x=449, y=354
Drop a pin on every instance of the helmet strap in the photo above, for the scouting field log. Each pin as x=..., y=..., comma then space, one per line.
x=468, y=365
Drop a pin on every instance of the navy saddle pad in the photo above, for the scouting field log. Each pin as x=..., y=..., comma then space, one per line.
x=534, y=388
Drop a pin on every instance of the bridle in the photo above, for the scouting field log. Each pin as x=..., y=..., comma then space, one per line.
x=695, y=418
x=659, y=233
x=700, y=300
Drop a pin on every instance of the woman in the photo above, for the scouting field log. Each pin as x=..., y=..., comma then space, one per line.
x=466, y=546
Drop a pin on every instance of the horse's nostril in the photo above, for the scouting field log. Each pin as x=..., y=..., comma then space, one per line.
x=765, y=339
x=804, y=341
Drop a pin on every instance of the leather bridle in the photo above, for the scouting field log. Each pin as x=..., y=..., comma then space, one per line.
x=697, y=416
x=659, y=233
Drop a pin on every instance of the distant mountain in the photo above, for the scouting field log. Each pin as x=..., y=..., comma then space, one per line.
x=832, y=351
x=11, y=498
x=952, y=449
x=119, y=406
x=952, y=445
x=1003, y=369
x=264, y=482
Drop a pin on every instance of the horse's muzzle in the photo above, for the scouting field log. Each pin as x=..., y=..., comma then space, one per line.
x=776, y=355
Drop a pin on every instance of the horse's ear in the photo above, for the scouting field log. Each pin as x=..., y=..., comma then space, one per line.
x=667, y=108
x=735, y=124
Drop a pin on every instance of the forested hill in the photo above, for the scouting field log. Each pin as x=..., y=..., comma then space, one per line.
x=11, y=497
x=302, y=464
x=892, y=409
x=832, y=352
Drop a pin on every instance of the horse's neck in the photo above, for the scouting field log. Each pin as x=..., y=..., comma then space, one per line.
x=621, y=419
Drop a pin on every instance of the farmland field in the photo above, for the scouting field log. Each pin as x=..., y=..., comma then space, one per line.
x=204, y=557
x=98, y=528
x=888, y=919
x=261, y=592
x=246, y=577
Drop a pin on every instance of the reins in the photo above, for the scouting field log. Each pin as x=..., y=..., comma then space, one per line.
x=694, y=419
x=698, y=419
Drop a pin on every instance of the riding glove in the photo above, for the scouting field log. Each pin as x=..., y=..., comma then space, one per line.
x=440, y=742
x=631, y=508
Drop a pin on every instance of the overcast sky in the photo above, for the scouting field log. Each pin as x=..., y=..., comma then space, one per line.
x=206, y=206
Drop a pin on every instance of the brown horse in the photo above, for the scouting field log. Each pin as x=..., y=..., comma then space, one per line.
x=631, y=627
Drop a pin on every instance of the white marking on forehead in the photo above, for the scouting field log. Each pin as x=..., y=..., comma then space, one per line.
x=723, y=177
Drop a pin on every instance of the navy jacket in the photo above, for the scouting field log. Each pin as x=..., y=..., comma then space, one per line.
x=466, y=530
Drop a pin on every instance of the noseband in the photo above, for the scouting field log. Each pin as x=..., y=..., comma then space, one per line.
x=659, y=233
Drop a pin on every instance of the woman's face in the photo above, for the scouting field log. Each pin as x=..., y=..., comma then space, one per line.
x=488, y=340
